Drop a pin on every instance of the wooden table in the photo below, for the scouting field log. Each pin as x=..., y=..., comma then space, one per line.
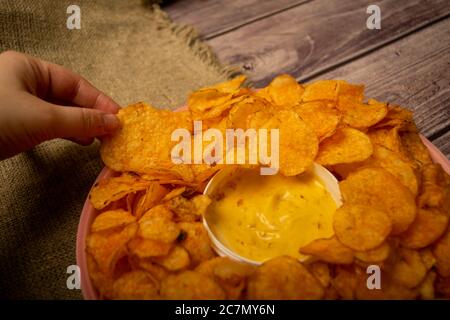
x=407, y=61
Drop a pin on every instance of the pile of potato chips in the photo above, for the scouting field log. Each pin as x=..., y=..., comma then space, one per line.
x=148, y=240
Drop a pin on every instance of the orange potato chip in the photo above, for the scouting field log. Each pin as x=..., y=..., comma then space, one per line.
x=377, y=188
x=283, y=278
x=329, y=250
x=374, y=255
x=283, y=91
x=108, y=247
x=432, y=193
x=321, y=272
x=359, y=115
x=415, y=149
x=158, y=227
x=297, y=151
x=346, y=145
x=135, y=285
x=153, y=195
x=426, y=288
x=237, y=117
x=397, y=117
x=390, y=139
x=428, y=226
x=409, y=270
x=146, y=248
x=157, y=272
x=347, y=90
x=143, y=143
x=108, y=190
x=320, y=117
x=196, y=242
x=112, y=219
x=361, y=227
x=189, y=210
x=176, y=259
x=189, y=285
x=345, y=282
x=321, y=90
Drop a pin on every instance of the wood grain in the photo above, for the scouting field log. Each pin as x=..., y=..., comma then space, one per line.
x=313, y=37
x=413, y=72
x=213, y=17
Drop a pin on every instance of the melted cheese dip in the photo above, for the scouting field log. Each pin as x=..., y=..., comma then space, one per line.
x=261, y=217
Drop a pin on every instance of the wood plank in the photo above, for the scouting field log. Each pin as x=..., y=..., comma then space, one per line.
x=313, y=37
x=213, y=17
x=412, y=72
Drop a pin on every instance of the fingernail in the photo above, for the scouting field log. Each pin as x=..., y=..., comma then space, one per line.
x=111, y=122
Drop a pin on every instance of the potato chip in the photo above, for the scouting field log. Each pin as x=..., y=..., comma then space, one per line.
x=283, y=278
x=409, y=270
x=108, y=247
x=112, y=219
x=390, y=139
x=297, y=151
x=361, y=227
x=153, y=195
x=156, y=271
x=374, y=255
x=174, y=193
x=237, y=117
x=189, y=285
x=283, y=91
x=158, y=227
x=143, y=143
x=229, y=274
x=441, y=252
x=426, y=288
x=377, y=188
x=108, y=190
x=196, y=242
x=188, y=210
x=135, y=285
x=329, y=250
x=432, y=193
x=415, y=149
x=320, y=117
x=176, y=259
x=345, y=282
x=428, y=226
x=442, y=286
x=346, y=145
x=321, y=90
x=102, y=282
x=347, y=90
x=145, y=248
x=321, y=272
x=397, y=117
x=359, y=115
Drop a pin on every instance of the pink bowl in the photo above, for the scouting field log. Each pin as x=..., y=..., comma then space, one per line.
x=89, y=213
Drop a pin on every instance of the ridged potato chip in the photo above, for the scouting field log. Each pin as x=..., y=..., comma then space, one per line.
x=329, y=250
x=283, y=278
x=377, y=188
x=428, y=226
x=346, y=145
x=361, y=227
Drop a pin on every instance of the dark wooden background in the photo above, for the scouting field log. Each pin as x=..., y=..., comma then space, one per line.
x=407, y=61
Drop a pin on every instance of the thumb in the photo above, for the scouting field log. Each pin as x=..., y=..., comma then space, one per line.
x=83, y=122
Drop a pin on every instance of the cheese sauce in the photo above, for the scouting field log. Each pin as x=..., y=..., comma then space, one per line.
x=261, y=217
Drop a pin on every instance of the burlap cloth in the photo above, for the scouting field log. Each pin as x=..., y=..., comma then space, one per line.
x=130, y=51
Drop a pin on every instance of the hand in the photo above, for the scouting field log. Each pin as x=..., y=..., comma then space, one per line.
x=40, y=101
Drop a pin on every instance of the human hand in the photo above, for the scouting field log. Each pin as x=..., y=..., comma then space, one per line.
x=41, y=101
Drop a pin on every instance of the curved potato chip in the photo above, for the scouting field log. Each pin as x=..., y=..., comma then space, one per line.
x=188, y=210
x=377, y=188
x=321, y=90
x=297, y=151
x=359, y=115
x=346, y=145
x=111, y=189
x=426, y=288
x=345, y=282
x=397, y=117
x=283, y=91
x=190, y=285
x=415, y=149
x=360, y=227
x=135, y=285
x=158, y=272
x=432, y=193
x=145, y=248
x=157, y=225
x=283, y=278
x=428, y=226
x=196, y=242
x=441, y=251
x=329, y=250
x=153, y=194
x=320, y=117
x=112, y=219
x=237, y=117
x=377, y=254
x=321, y=272
x=175, y=260
x=108, y=247
x=143, y=143
x=102, y=282
x=390, y=139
